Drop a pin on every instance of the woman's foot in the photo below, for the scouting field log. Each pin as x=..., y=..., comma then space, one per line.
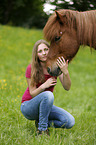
x=40, y=132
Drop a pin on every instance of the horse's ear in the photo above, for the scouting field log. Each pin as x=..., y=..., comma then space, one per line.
x=59, y=17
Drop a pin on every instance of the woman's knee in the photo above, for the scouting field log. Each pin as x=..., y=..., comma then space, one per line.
x=49, y=96
x=70, y=123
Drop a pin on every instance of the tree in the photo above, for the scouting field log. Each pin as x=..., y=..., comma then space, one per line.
x=25, y=13
x=80, y=5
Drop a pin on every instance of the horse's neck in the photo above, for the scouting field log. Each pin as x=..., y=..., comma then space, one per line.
x=87, y=28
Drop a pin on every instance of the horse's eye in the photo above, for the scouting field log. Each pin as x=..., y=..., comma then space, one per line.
x=57, y=38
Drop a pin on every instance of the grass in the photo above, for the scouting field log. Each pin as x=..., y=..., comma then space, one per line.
x=15, y=54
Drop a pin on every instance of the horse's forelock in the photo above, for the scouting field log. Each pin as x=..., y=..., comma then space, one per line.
x=51, y=28
x=53, y=25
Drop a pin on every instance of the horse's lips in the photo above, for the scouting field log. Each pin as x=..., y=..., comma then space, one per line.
x=56, y=71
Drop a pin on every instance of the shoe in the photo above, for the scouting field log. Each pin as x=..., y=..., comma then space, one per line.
x=43, y=132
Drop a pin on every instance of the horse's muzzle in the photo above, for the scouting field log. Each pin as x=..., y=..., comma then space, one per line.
x=55, y=72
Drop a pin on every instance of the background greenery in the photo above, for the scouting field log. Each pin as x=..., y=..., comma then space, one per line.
x=80, y=5
x=25, y=13
x=15, y=54
x=30, y=13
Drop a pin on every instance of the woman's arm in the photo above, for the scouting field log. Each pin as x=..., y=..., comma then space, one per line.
x=66, y=81
x=64, y=77
x=32, y=89
x=35, y=91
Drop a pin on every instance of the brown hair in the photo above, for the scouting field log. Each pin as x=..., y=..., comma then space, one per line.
x=37, y=74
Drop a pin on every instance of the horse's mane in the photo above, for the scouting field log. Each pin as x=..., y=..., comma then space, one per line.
x=83, y=22
x=87, y=28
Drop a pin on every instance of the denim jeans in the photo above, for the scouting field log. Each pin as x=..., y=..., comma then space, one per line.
x=41, y=108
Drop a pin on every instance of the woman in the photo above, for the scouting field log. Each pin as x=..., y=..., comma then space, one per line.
x=37, y=101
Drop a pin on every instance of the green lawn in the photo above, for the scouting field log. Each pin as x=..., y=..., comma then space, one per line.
x=15, y=54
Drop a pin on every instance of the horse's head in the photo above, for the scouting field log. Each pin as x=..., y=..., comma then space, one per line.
x=60, y=30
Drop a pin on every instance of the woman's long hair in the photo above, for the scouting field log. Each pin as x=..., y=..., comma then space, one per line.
x=37, y=75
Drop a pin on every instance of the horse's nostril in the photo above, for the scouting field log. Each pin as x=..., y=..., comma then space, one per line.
x=48, y=69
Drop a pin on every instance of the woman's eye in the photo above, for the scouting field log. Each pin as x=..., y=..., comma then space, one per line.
x=46, y=49
x=57, y=38
x=39, y=51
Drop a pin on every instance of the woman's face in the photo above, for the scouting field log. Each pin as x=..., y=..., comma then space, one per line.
x=42, y=52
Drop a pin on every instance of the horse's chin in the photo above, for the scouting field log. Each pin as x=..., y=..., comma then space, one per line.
x=55, y=72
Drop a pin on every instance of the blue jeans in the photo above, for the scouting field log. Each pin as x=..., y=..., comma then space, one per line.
x=41, y=108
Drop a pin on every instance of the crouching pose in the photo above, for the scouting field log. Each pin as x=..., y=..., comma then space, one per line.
x=37, y=101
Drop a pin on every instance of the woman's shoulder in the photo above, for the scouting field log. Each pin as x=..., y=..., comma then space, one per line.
x=29, y=66
x=28, y=71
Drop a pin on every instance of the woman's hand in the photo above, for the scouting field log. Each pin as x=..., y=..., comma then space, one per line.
x=50, y=82
x=63, y=65
x=64, y=78
x=35, y=91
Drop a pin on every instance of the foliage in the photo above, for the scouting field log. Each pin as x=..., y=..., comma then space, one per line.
x=15, y=54
x=80, y=5
x=26, y=13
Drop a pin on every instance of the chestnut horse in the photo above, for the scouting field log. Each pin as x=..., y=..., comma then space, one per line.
x=67, y=30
